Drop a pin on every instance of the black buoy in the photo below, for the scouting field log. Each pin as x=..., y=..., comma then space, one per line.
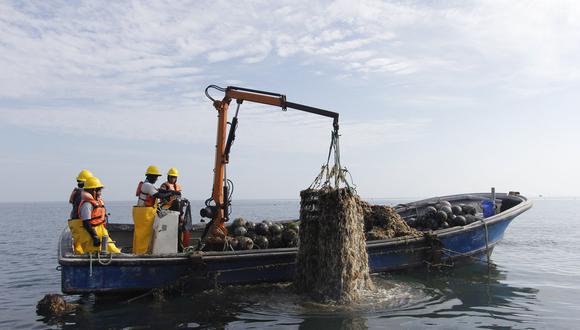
x=239, y=222
x=267, y=222
x=468, y=209
x=430, y=211
x=245, y=243
x=425, y=221
x=261, y=241
x=471, y=218
x=441, y=204
x=446, y=209
x=251, y=235
x=240, y=231
x=288, y=235
x=433, y=223
x=460, y=220
x=457, y=210
x=250, y=226
x=262, y=229
x=294, y=226
x=441, y=216
x=276, y=242
x=275, y=229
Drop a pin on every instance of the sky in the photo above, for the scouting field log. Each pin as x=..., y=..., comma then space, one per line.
x=435, y=97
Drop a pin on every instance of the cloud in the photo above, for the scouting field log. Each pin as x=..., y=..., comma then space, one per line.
x=122, y=123
x=68, y=46
x=121, y=59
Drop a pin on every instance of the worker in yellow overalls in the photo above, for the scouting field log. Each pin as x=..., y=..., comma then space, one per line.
x=93, y=218
x=146, y=209
x=76, y=196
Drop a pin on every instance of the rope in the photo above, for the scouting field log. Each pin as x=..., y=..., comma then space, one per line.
x=105, y=263
x=451, y=253
x=318, y=178
x=90, y=265
x=227, y=245
x=336, y=172
x=451, y=263
x=189, y=250
x=487, y=252
x=460, y=254
x=254, y=268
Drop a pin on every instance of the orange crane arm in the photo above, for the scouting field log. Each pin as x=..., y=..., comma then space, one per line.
x=218, y=212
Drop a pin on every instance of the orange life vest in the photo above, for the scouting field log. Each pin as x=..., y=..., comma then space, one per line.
x=170, y=186
x=149, y=200
x=99, y=213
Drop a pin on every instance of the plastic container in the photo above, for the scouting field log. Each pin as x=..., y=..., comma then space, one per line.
x=488, y=208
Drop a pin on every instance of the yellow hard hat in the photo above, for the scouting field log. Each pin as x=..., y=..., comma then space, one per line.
x=84, y=175
x=173, y=172
x=153, y=170
x=93, y=183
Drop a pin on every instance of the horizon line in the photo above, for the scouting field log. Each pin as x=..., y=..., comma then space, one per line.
x=535, y=197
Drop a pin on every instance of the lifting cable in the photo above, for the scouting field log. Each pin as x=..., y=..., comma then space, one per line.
x=335, y=174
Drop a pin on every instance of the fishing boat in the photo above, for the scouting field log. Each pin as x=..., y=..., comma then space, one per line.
x=126, y=272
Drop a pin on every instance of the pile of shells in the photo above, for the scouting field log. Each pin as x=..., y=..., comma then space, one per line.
x=383, y=222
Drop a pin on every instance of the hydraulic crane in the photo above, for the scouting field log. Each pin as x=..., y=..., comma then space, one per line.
x=217, y=206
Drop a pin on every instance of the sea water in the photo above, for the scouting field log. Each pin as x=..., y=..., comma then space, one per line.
x=533, y=282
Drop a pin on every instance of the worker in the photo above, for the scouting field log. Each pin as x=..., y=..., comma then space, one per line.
x=75, y=197
x=75, y=224
x=171, y=202
x=93, y=213
x=146, y=209
x=147, y=193
x=175, y=203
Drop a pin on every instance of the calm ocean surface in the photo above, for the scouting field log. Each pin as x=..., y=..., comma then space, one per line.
x=534, y=282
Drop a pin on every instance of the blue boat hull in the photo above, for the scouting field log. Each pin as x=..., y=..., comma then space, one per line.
x=81, y=274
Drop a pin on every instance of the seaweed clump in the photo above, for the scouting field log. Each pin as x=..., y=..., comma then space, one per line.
x=54, y=304
x=332, y=261
x=383, y=222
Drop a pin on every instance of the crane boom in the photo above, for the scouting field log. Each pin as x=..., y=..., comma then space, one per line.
x=246, y=94
x=218, y=211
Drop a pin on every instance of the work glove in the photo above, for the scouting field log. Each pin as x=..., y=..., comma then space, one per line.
x=96, y=241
